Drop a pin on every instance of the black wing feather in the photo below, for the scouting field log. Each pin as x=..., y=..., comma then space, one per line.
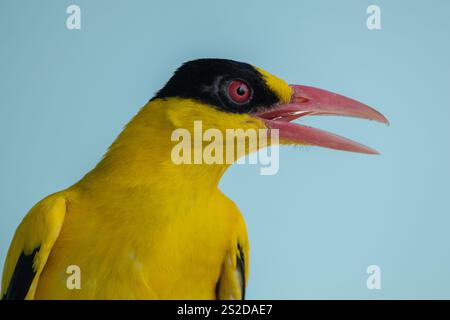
x=241, y=267
x=240, y=274
x=22, y=277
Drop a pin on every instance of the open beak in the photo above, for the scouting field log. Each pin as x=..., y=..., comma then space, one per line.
x=309, y=101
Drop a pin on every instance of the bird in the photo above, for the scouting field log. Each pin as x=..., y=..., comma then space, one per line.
x=139, y=226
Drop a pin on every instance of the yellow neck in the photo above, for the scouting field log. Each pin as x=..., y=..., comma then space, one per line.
x=141, y=157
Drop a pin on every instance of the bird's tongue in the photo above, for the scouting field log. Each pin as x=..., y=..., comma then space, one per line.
x=309, y=101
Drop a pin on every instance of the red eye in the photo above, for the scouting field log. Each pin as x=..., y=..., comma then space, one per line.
x=239, y=91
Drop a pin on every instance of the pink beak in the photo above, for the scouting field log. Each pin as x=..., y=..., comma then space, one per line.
x=309, y=101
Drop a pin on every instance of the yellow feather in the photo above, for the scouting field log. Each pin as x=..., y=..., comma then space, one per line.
x=139, y=226
x=40, y=228
x=277, y=85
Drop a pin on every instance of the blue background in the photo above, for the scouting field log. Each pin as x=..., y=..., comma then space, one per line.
x=316, y=225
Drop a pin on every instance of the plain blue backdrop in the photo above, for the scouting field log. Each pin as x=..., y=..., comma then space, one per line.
x=327, y=215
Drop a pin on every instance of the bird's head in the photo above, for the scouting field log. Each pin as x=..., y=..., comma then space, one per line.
x=226, y=94
x=222, y=95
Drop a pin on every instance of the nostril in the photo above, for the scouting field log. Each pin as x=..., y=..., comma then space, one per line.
x=300, y=99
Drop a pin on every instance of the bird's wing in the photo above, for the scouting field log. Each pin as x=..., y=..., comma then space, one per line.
x=233, y=278
x=31, y=246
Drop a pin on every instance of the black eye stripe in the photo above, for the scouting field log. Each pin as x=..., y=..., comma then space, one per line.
x=206, y=80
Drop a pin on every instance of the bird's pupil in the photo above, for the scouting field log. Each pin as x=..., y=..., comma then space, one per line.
x=240, y=91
